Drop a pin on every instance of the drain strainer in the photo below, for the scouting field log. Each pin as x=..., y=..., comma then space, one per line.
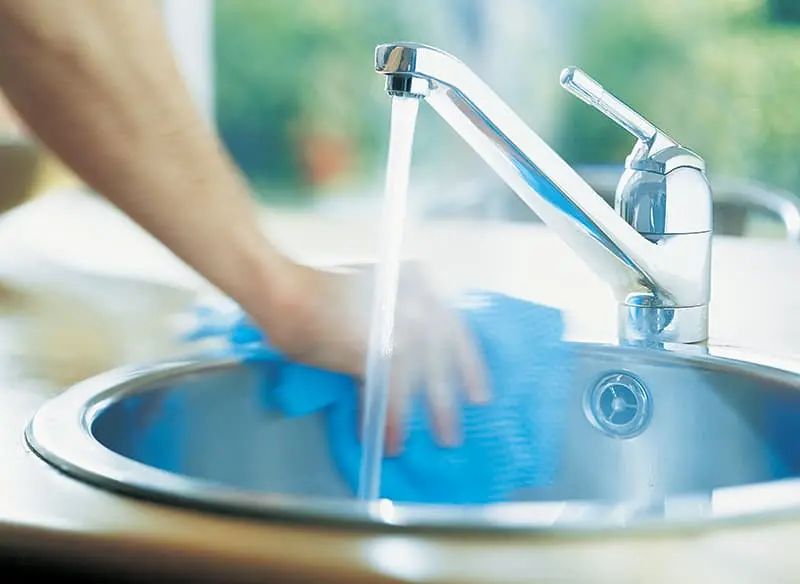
x=619, y=405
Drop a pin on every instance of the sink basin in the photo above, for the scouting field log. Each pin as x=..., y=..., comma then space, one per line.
x=653, y=438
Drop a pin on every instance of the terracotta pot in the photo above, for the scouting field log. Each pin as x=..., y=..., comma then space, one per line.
x=324, y=158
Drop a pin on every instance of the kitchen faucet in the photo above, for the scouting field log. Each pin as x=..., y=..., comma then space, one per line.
x=654, y=249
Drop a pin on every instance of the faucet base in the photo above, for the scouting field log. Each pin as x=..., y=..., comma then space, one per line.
x=654, y=324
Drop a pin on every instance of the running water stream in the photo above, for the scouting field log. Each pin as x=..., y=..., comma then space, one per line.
x=387, y=274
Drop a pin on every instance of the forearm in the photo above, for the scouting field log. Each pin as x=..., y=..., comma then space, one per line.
x=96, y=81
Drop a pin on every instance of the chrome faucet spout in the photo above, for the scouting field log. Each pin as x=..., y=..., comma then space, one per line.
x=654, y=249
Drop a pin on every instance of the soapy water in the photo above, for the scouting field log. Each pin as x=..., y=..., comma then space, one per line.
x=387, y=276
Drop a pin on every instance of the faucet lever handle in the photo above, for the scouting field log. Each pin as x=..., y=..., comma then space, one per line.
x=590, y=91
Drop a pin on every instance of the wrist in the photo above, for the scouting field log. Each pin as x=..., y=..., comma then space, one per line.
x=280, y=301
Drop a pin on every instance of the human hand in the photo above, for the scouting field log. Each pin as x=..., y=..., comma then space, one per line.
x=328, y=326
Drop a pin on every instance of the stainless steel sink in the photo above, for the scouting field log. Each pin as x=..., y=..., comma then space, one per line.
x=653, y=438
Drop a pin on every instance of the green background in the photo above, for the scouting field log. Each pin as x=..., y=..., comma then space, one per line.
x=720, y=76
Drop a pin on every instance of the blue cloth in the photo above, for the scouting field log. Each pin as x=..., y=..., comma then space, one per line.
x=512, y=443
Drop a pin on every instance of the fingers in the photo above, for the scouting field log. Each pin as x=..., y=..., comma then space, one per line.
x=469, y=363
x=395, y=412
x=441, y=388
x=444, y=364
x=435, y=352
x=401, y=383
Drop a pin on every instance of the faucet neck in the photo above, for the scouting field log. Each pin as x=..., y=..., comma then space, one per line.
x=660, y=278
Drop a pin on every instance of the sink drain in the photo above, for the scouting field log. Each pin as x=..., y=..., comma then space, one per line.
x=618, y=405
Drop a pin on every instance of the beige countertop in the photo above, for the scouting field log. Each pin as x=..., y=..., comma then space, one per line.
x=81, y=290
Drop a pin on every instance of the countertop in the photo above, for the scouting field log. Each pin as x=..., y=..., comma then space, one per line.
x=82, y=289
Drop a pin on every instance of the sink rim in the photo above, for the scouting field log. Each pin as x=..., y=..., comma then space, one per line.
x=59, y=433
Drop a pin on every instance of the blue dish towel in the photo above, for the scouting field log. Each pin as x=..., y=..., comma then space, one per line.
x=512, y=443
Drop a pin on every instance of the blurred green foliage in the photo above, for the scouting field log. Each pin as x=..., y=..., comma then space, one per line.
x=290, y=70
x=719, y=76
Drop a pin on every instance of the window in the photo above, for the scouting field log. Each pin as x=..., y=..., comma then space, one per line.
x=301, y=110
